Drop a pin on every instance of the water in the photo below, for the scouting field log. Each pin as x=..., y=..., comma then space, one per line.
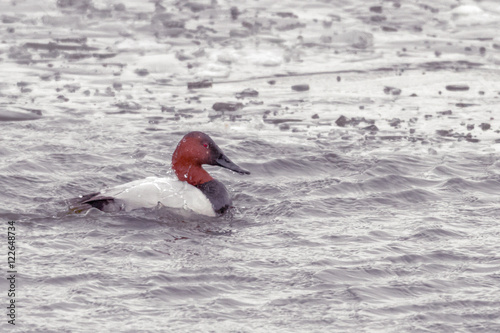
x=374, y=199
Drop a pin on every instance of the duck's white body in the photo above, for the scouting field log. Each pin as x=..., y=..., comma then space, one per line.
x=151, y=191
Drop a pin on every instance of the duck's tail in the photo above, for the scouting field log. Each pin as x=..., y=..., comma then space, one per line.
x=93, y=200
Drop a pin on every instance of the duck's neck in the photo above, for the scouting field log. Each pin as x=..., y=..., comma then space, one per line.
x=191, y=173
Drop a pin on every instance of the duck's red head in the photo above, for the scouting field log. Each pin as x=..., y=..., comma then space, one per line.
x=195, y=149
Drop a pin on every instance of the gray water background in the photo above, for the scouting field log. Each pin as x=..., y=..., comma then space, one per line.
x=374, y=199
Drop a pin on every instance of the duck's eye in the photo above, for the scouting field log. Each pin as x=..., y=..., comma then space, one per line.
x=205, y=145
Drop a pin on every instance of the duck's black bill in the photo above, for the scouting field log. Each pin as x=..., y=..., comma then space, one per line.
x=225, y=162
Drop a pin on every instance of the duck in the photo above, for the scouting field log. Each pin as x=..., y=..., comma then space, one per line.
x=194, y=189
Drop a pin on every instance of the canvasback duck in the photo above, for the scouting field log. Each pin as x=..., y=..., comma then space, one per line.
x=194, y=189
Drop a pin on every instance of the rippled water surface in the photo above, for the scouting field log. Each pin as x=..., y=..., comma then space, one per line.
x=371, y=129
